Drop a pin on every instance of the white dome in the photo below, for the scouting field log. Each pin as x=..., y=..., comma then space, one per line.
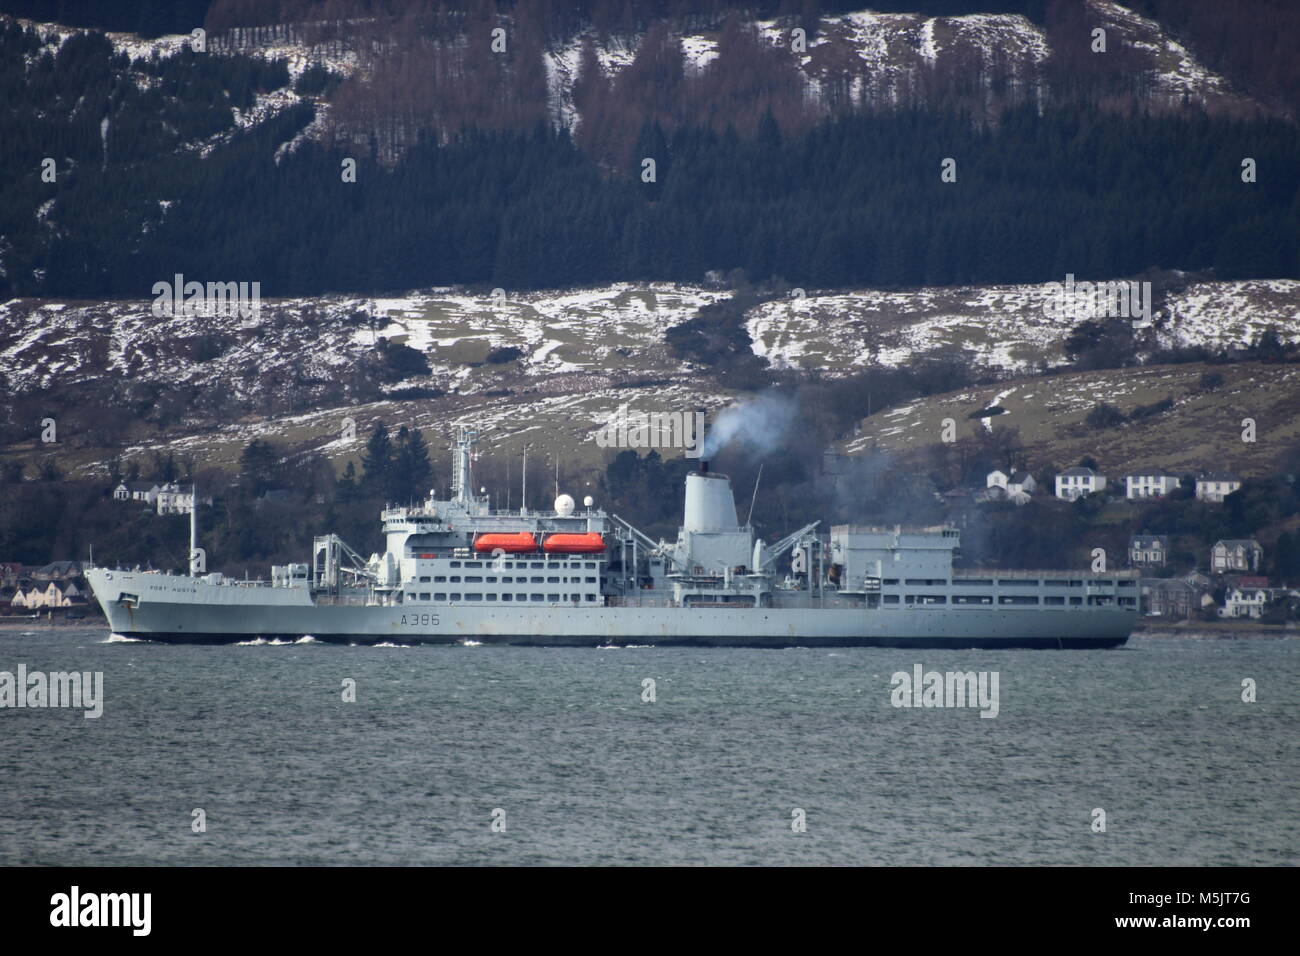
x=588, y=501
x=564, y=506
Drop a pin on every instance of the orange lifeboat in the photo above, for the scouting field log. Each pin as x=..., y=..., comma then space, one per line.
x=589, y=543
x=519, y=542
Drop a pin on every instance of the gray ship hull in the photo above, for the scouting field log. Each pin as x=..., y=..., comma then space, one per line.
x=178, y=609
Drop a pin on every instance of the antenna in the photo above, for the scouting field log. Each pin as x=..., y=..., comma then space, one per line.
x=755, y=498
x=523, y=491
x=462, y=478
x=194, y=530
x=557, y=476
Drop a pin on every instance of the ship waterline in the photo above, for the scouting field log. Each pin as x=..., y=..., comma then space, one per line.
x=716, y=585
x=204, y=621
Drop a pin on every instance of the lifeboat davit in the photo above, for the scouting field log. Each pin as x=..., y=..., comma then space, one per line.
x=519, y=542
x=589, y=543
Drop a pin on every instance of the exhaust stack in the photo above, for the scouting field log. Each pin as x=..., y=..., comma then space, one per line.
x=710, y=505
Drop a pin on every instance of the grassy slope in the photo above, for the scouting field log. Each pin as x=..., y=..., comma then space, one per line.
x=1202, y=430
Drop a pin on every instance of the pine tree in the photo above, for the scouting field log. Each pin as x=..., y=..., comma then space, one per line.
x=377, y=462
x=412, y=472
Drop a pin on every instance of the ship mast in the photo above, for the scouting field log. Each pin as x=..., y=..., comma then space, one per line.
x=194, y=531
x=462, y=478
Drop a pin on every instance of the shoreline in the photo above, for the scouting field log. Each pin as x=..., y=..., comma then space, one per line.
x=32, y=623
x=1234, y=628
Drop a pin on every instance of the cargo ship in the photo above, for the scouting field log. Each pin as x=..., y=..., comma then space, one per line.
x=456, y=571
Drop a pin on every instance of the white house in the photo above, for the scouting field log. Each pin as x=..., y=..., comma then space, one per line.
x=1244, y=602
x=1076, y=482
x=1016, y=486
x=52, y=595
x=1021, y=482
x=1148, y=550
x=1236, y=554
x=146, y=491
x=1216, y=486
x=1149, y=484
x=174, y=499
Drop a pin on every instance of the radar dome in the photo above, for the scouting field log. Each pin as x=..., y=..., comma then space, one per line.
x=588, y=501
x=564, y=506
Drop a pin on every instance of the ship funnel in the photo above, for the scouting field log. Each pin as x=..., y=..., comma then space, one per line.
x=710, y=505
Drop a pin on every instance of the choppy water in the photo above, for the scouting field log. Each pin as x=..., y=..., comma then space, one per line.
x=259, y=737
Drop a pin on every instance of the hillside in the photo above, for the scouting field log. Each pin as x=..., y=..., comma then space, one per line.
x=1202, y=430
x=121, y=382
x=385, y=153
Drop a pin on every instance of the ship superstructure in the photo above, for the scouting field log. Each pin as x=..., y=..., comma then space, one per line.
x=455, y=570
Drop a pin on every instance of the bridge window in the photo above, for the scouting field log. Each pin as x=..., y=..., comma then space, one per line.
x=473, y=597
x=473, y=579
x=424, y=596
x=507, y=597
x=1017, y=599
x=440, y=579
x=440, y=596
x=455, y=597
x=536, y=597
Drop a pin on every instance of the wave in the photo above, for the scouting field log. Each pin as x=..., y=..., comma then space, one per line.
x=390, y=644
x=122, y=639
